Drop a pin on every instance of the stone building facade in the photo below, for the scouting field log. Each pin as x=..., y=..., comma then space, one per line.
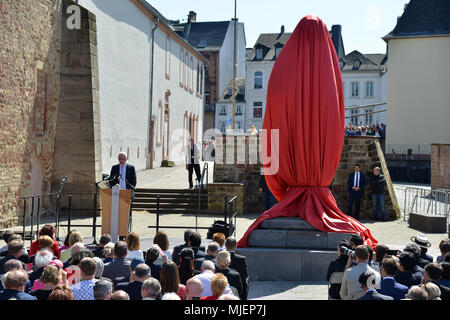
x=31, y=88
x=440, y=166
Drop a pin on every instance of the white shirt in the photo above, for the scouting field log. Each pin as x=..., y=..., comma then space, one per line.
x=123, y=173
x=356, y=180
x=205, y=277
x=135, y=254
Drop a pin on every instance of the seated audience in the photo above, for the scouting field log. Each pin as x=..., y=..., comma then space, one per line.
x=211, y=254
x=380, y=252
x=208, y=270
x=432, y=290
x=170, y=280
x=49, y=231
x=218, y=285
x=407, y=274
x=416, y=293
x=228, y=296
x=98, y=250
x=42, y=260
x=103, y=289
x=433, y=273
x=194, y=242
x=74, y=237
x=186, y=267
x=119, y=295
x=424, y=244
x=84, y=289
x=151, y=289
x=238, y=263
x=6, y=236
x=170, y=296
x=162, y=241
x=233, y=277
x=350, y=288
x=415, y=249
x=108, y=252
x=134, y=247
x=368, y=284
x=138, y=276
x=12, y=265
x=444, y=247
x=194, y=289
x=14, y=286
x=15, y=251
x=119, y=267
x=177, y=249
x=445, y=280
x=73, y=270
x=100, y=266
x=389, y=286
x=337, y=265
x=50, y=278
x=150, y=258
x=220, y=239
x=65, y=243
x=61, y=293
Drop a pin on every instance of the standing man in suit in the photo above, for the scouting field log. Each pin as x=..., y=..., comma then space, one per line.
x=193, y=162
x=239, y=263
x=124, y=174
x=356, y=184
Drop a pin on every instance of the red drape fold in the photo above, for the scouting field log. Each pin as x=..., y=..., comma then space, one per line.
x=305, y=104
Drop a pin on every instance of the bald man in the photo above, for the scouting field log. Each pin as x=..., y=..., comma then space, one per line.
x=194, y=289
x=120, y=295
x=123, y=173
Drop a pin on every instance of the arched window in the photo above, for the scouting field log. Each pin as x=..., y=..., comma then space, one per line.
x=191, y=87
x=258, y=80
x=181, y=66
x=168, y=49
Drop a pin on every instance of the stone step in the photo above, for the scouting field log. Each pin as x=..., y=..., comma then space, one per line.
x=286, y=224
x=274, y=264
x=300, y=239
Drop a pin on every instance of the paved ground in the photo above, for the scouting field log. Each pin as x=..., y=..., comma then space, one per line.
x=394, y=233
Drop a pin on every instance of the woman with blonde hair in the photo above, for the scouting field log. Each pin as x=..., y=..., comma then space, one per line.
x=134, y=247
x=108, y=252
x=74, y=237
x=433, y=291
x=218, y=285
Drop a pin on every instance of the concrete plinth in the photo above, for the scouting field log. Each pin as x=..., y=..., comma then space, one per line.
x=428, y=223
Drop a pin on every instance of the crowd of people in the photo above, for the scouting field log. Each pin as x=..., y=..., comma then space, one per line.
x=374, y=130
x=360, y=273
x=121, y=270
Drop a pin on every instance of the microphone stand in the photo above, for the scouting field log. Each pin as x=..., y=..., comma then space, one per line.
x=58, y=206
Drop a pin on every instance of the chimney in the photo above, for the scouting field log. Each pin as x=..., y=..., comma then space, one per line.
x=281, y=32
x=192, y=17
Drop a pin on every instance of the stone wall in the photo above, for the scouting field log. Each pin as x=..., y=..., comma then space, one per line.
x=364, y=150
x=31, y=37
x=440, y=166
x=218, y=193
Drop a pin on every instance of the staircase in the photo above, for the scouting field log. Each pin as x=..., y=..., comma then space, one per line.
x=290, y=249
x=182, y=201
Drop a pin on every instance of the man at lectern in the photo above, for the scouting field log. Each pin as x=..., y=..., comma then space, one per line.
x=123, y=173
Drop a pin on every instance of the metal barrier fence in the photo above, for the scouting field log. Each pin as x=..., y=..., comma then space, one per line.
x=425, y=201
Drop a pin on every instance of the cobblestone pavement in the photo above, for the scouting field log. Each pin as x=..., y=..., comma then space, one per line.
x=396, y=234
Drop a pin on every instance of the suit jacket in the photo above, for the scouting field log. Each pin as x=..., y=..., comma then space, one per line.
x=176, y=252
x=198, y=253
x=445, y=291
x=98, y=252
x=233, y=277
x=187, y=154
x=239, y=263
x=198, y=262
x=132, y=288
x=130, y=175
x=351, y=288
x=6, y=259
x=362, y=182
x=117, y=268
x=374, y=295
x=408, y=279
x=390, y=287
x=9, y=293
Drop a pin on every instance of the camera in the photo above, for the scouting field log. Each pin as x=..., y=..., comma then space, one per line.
x=347, y=252
x=393, y=252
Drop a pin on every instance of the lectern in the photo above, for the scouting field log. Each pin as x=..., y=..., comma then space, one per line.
x=115, y=211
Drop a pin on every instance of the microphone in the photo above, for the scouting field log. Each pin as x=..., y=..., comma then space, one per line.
x=64, y=179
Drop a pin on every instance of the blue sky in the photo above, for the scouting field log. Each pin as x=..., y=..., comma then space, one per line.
x=363, y=22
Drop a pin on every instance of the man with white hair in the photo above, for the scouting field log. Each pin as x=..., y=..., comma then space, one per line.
x=151, y=289
x=41, y=260
x=103, y=290
x=208, y=270
x=123, y=173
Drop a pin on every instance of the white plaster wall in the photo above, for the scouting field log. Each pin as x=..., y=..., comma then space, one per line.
x=223, y=118
x=123, y=57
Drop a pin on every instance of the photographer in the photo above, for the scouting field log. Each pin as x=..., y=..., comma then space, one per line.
x=351, y=289
x=338, y=265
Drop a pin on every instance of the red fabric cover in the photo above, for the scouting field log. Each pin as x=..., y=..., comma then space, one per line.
x=305, y=102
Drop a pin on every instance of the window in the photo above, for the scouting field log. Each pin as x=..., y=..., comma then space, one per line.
x=168, y=54
x=201, y=78
x=242, y=90
x=259, y=54
x=197, y=90
x=223, y=110
x=369, y=117
x=207, y=97
x=277, y=51
x=238, y=125
x=355, y=89
x=369, y=89
x=181, y=66
x=230, y=91
x=222, y=126
x=356, y=64
x=257, y=110
x=258, y=80
x=238, y=111
x=191, y=69
x=186, y=70
x=354, y=117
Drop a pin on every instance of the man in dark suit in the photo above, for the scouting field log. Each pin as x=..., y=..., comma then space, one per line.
x=98, y=250
x=233, y=277
x=177, y=249
x=123, y=173
x=133, y=288
x=368, y=284
x=238, y=263
x=356, y=184
x=119, y=267
x=194, y=242
x=12, y=265
x=15, y=248
x=389, y=286
x=211, y=255
x=14, y=282
x=433, y=273
x=407, y=274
